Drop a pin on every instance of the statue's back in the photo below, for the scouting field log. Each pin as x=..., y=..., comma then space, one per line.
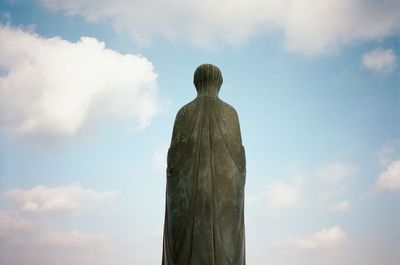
x=204, y=221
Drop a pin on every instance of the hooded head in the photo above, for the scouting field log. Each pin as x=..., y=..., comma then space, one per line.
x=207, y=80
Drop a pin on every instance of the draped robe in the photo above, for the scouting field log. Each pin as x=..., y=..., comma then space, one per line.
x=204, y=215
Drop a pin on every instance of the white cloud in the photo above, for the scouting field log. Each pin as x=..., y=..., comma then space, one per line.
x=324, y=26
x=390, y=178
x=379, y=60
x=325, y=239
x=53, y=88
x=47, y=199
x=311, y=27
x=341, y=206
x=336, y=172
x=282, y=195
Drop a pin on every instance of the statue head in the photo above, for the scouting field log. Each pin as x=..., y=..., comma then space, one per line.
x=207, y=80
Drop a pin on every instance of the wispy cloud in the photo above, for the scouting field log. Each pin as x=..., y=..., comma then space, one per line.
x=160, y=156
x=324, y=239
x=390, y=178
x=389, y=158
x=389, y=152
x=54, y=199
x=52, y=88
x=72, y=239
x=28, y=235
x=27, y=243
x=251, y=199
x=379, y=60
x=282, y=195
x=11, y=223
x=318, y=28
x=336, y=172
x=341, y=206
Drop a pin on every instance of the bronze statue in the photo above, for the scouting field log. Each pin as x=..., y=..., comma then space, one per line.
x=204, y=215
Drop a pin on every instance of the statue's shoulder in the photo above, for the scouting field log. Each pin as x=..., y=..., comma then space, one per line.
x=185, y=109
x=228, y=108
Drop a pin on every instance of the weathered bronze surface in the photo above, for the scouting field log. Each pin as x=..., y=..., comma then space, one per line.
x=204, y=220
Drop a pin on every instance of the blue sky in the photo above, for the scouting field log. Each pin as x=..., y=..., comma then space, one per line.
x=88, y=95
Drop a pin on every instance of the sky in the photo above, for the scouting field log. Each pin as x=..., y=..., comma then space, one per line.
x=89, y=91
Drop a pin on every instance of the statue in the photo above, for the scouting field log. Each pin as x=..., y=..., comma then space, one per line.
x=204, y=215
